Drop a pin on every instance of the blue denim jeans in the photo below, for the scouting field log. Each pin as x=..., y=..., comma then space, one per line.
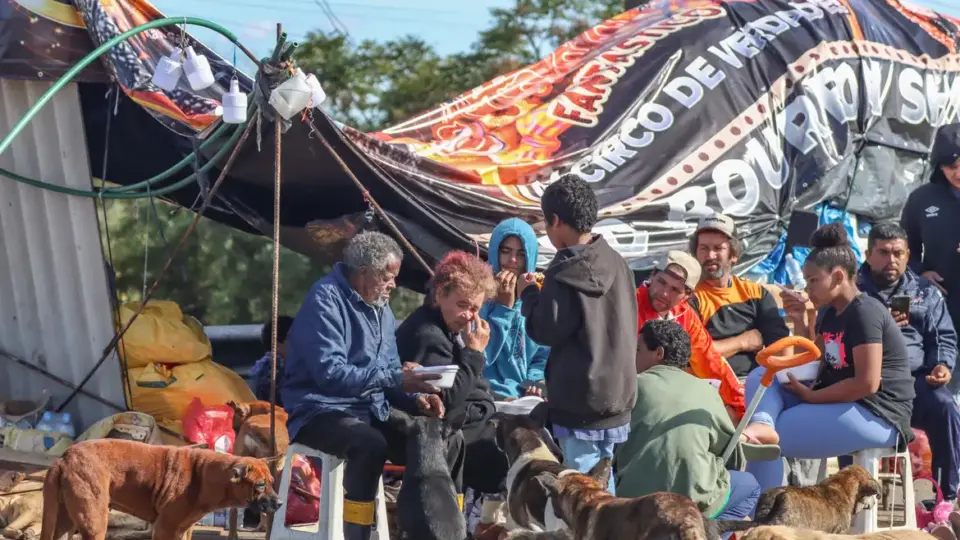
x=810, y=430
x=583, y=455
x=744, y=494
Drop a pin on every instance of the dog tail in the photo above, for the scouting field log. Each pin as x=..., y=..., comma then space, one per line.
x=55, y=521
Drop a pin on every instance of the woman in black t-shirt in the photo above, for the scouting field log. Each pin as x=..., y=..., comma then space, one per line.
x=863, y=396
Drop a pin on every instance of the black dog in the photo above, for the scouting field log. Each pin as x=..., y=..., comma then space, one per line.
x=428, y=504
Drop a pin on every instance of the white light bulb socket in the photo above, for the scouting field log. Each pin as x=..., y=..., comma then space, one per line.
x=198, y=71
x=234, y=104
x=167, y=73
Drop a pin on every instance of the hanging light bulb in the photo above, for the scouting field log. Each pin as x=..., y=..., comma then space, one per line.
x=234, y=104
x=317, y=95
x=168, y=70
x=198, y=70
x=291, y=96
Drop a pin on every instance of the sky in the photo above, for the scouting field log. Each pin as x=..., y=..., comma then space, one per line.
x=450, y=26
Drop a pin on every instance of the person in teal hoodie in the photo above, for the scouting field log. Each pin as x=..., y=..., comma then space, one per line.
x=515, y=363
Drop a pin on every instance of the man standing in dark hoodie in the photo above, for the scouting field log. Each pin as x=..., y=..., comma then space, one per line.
x=586, y=312
x=931, y=218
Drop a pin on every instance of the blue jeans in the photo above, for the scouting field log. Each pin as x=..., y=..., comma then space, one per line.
x=583, y=455
x=744, y=494
x=812, y=430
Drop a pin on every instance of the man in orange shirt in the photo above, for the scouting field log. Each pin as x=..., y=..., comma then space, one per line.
x=665, y=296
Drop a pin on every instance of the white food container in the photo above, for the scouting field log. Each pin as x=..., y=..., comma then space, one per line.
x=805, y=373
x=448, y=374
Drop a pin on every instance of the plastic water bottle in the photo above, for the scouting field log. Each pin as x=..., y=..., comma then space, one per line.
x=795, y=273
x=47, y=422
x=65, y=425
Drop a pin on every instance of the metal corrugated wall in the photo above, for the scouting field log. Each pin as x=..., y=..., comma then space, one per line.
x=54, y=303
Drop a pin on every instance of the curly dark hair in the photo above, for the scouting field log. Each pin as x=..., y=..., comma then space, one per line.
x=463, y=271
x=284, y=322
x=572, y=200
x=672, y=337
x=832, y=249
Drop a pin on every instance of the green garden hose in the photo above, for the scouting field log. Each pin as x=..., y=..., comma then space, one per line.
x=115, y=194
x=126, y=191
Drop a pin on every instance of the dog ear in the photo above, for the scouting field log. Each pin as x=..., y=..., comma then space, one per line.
x=540, y=415
x=548, y=482
x=401, y=421
x=448, y=430
x=238, y=473
x=601, y=471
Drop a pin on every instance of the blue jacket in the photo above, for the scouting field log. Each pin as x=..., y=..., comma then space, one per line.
x=341, y=356
x=512, y=357
x=930, y=336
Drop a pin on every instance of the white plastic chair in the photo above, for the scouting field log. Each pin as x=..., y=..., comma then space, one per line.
x=330, y=523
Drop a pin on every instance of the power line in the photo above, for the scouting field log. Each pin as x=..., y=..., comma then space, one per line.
x=332, y=17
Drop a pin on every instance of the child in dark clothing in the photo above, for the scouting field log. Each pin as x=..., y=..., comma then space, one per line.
x=260, y=373
x=585, y=313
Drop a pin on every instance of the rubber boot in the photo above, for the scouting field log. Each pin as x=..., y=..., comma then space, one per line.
x=352, y=531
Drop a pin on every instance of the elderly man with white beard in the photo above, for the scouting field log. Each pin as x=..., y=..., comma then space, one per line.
x=343, y=373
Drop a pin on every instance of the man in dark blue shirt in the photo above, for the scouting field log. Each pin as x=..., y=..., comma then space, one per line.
x=343, y=373
x=931, y=345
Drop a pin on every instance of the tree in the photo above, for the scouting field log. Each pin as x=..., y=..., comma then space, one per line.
x=222, y=276
x=225, y=276
x=374, y=85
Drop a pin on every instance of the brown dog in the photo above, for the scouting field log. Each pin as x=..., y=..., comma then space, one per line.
x=786, y=533
x=168, y=486
x=590, y=512
x=827, y=507
x=252, y=423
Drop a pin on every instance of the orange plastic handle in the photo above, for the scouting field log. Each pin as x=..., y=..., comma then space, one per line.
x=774, y=364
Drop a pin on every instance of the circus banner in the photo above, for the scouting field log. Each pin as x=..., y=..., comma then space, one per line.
x=753, y=108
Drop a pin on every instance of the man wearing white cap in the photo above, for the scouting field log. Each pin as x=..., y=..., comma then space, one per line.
x=741, y=316
x=665, y=296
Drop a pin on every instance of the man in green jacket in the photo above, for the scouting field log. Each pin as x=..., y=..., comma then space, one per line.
x=678, y=430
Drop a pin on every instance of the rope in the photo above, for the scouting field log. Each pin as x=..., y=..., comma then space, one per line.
x=166, y=267
x=275, y=308
x=370, y=200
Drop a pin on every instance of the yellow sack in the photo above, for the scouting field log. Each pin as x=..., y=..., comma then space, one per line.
x=161, y=334
x=165, y=392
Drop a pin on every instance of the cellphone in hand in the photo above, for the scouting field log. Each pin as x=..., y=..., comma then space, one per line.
x=900, y=304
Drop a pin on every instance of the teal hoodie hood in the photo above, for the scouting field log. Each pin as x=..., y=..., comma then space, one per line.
x=512, y=357
x=522, y=230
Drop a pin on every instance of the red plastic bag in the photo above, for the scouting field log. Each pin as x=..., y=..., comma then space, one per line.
x=212, y=426
x=303, y=500
x=921, y=457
